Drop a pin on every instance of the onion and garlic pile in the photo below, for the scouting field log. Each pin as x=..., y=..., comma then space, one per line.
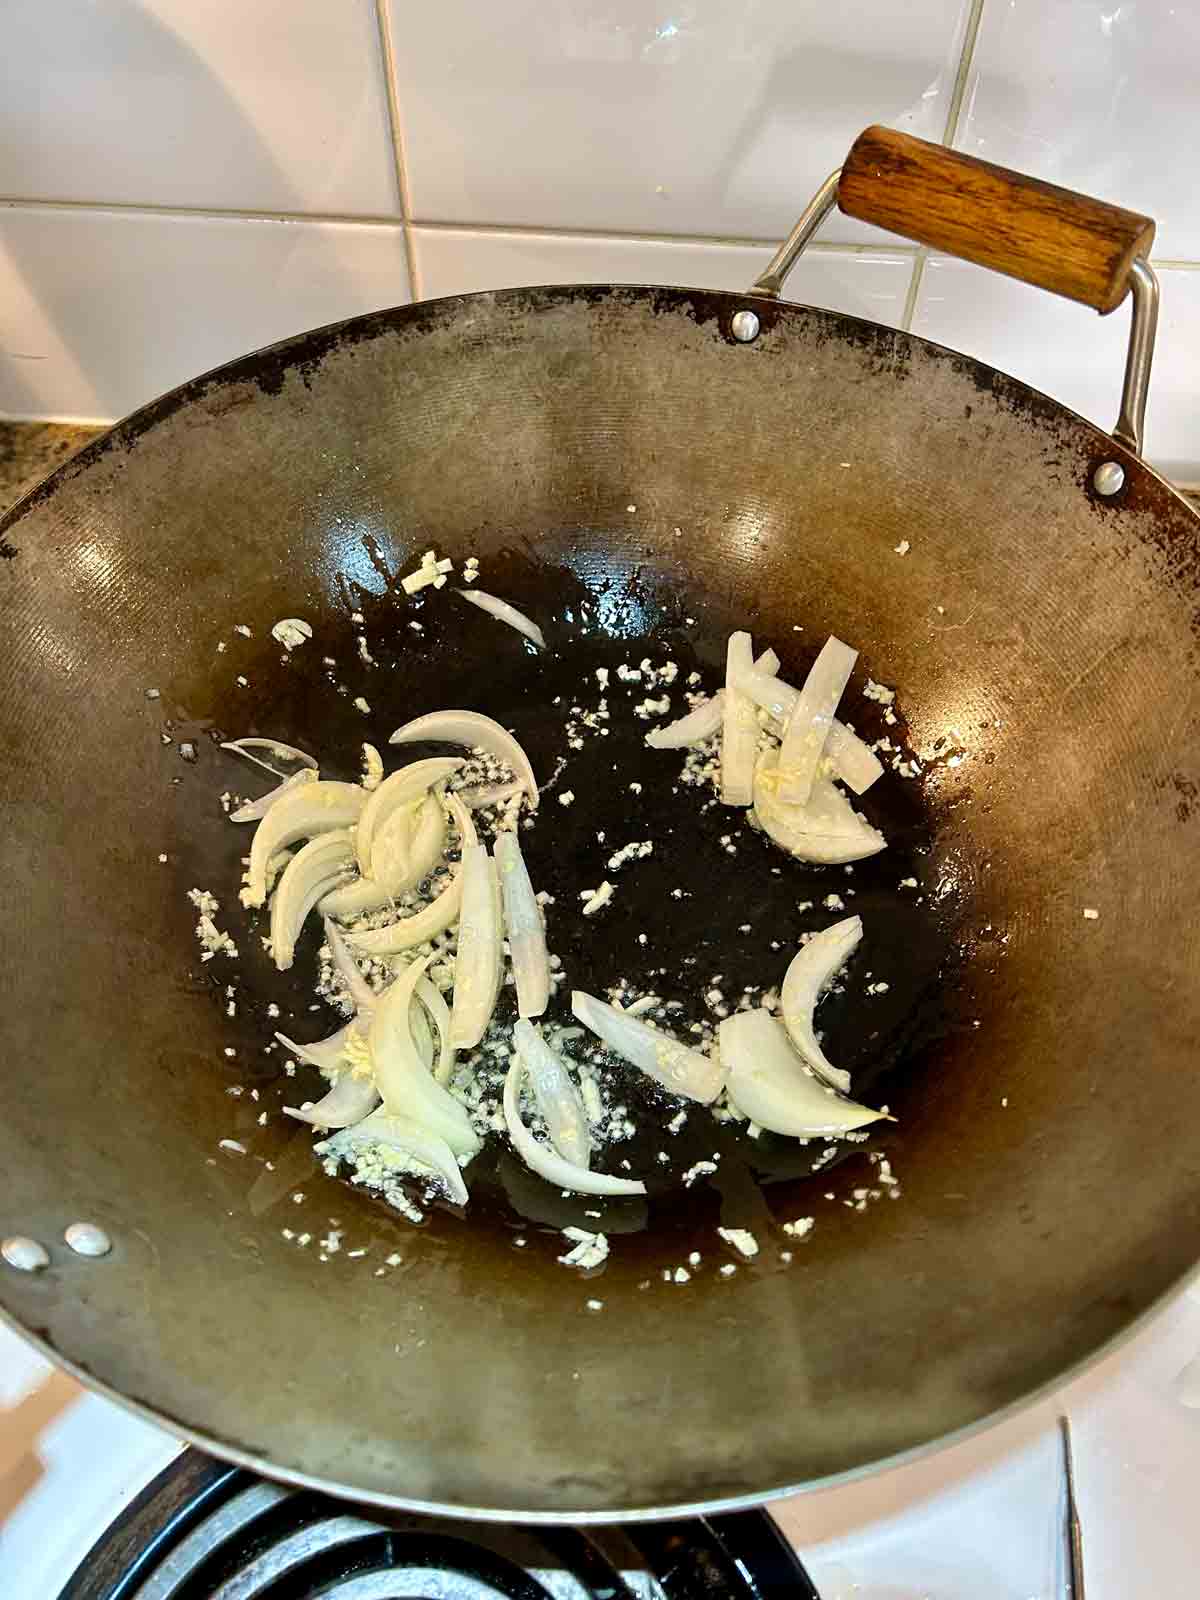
x=408, y=892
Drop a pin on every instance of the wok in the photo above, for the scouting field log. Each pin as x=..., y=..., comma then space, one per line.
x=641, y=468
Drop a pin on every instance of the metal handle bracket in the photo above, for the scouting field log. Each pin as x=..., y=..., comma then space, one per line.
x=1142, y=327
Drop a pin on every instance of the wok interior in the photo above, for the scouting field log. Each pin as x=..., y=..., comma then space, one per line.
x=1044, y=645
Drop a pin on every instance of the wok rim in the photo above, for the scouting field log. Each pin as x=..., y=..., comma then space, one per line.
x=161, y=406
x=675, y=1510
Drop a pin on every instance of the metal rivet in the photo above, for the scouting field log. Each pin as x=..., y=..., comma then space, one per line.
x=27, y=1255
x=86, y=1239
x=745, y=326
x=1108, y=478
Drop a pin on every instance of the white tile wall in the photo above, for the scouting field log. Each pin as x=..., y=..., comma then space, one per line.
x=102, y=310
x=704, y=117
x=871, y=284
x=1096, y=96
x=252, y=105
x=507, y=143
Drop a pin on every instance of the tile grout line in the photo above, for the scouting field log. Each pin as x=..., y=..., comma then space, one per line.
x=365, y=219
x=380, y=220
x=638, y=236
x=949, y=133
x=397, y=138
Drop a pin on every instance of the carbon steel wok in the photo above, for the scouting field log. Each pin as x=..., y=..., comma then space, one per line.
x=630, y=465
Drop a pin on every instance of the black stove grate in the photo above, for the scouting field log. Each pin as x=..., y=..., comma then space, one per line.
x=206, y=1531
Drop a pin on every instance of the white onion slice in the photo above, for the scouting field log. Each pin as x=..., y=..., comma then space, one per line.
x=422, y=1034
x=483, y=796
x=808, y=726
x=769, y=1083
x=312, y=809
x=431, y=998
x=405, y=1083
x=326, y=1054
x=282, y=752
x=827, y=829
x=700, y=723
x=362, y=996
x=658, y=1054
x=503, y=612
x=310, y=874
x=472, y=729
x=854, y=762
x=402, y=857
x=478, y=965
x=422, y=926
x=739, y=726
x=462, y=818
x=394, y=793
x=348, y=1101
x=544, y=1159
x=523, y=925
x=256, y=810
x=812, y=970
x=410, y=1138
x=558, y=1100
x=432, y=919
x=704, y=719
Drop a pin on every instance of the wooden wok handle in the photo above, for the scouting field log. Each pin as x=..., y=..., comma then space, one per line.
x=1050, y=237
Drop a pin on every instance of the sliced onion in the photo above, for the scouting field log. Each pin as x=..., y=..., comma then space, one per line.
x=523, y=925
x=396, y=1132
x=410, y=784
x=310, y=874
x=485, y=795
x=658, y=1054
x=431, y=998
x=312, y=809
x=432, y=919
x=282, y=752
x=256, y=810
x=463, y=820
x=362, y=996
x=777, y=698
x=503, y=612
x=348, y=1101
x=808, y=726
x=544, y=1159
x=327, y=1054
x=422, y=1034
x=474, y=730
x=478, y=965
x=405, y=1083
x=704, y=719
x=827, y=829
x=854, y=762
x=276, y=865
x=812, y=970
x=739, y=726
x=769, y=1083
x=558, y=1101
x=420, y=928
x=700, y=723
x=400, y=858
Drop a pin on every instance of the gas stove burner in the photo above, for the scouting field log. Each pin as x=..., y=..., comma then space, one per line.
x=206, y=1531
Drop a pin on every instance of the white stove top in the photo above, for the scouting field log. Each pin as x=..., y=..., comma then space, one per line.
x=979, y=1521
